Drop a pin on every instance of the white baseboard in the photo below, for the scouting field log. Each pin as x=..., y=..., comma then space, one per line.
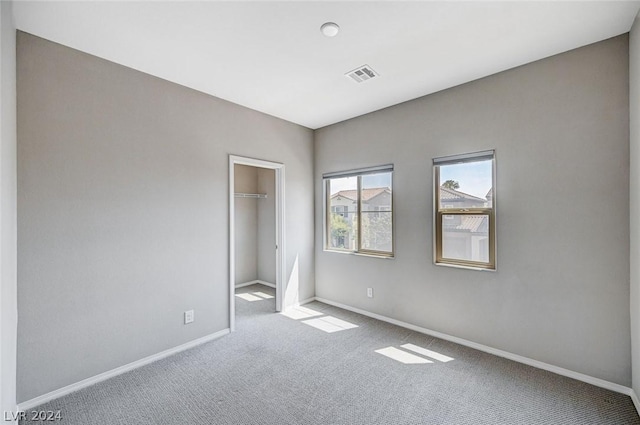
x=634, y=398
x=500, y=353
x=34, y=402
x=242, y=285
x=269, y=284
x=303, y=302
x=298, y=304
x=253, y=282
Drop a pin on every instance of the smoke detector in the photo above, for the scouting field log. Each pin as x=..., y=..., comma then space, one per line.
x=330, y=29
x=362, y=74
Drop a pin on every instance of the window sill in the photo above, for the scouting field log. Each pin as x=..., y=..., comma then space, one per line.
x=360, y=254
x=458, y=266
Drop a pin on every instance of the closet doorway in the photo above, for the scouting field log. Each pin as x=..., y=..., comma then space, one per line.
x=256, y=227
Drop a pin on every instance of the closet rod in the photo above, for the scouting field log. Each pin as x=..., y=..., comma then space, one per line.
x=251, y=195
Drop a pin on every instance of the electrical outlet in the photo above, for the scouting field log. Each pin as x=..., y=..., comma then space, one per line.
x=189, y=316
x=370, y=292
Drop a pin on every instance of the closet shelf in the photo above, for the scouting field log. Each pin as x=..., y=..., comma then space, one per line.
x=251, y=195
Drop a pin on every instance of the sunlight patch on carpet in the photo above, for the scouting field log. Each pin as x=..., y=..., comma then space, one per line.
x=428, y=353
x=330, y=324
x=402, y=356
x=297, y=313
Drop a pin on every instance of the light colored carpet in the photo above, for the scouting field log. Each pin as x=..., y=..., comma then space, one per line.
x=290, y=370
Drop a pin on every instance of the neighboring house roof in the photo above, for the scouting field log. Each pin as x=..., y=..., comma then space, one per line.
x=367, y=194
x=473, y=223
x=450, y=194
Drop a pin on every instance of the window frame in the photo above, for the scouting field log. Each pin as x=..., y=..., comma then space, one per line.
x=439, y=213
x=357, y=250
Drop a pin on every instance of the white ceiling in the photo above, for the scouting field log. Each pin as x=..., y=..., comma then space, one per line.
x=271, y=56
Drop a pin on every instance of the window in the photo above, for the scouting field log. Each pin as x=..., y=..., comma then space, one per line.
x=341, y=210
x=464, y=210
x=360, y=211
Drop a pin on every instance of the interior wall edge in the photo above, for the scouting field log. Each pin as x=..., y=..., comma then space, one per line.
x=8, y=212
x=634, y=200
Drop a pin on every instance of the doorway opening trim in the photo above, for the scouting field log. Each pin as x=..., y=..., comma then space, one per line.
x=280, y=231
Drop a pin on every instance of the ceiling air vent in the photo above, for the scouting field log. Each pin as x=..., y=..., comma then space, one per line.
x=362, y=73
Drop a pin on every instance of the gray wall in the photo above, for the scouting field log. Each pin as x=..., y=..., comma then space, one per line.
x=560, y=127
x=634, y=198
x=246, y=224
x=8, y=287
x=123, y=212
x=267, y=226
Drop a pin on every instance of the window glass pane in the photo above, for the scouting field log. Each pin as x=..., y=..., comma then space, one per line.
x=342, y=221
x=376, y=212
x=465, y=237
x=466, y=185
